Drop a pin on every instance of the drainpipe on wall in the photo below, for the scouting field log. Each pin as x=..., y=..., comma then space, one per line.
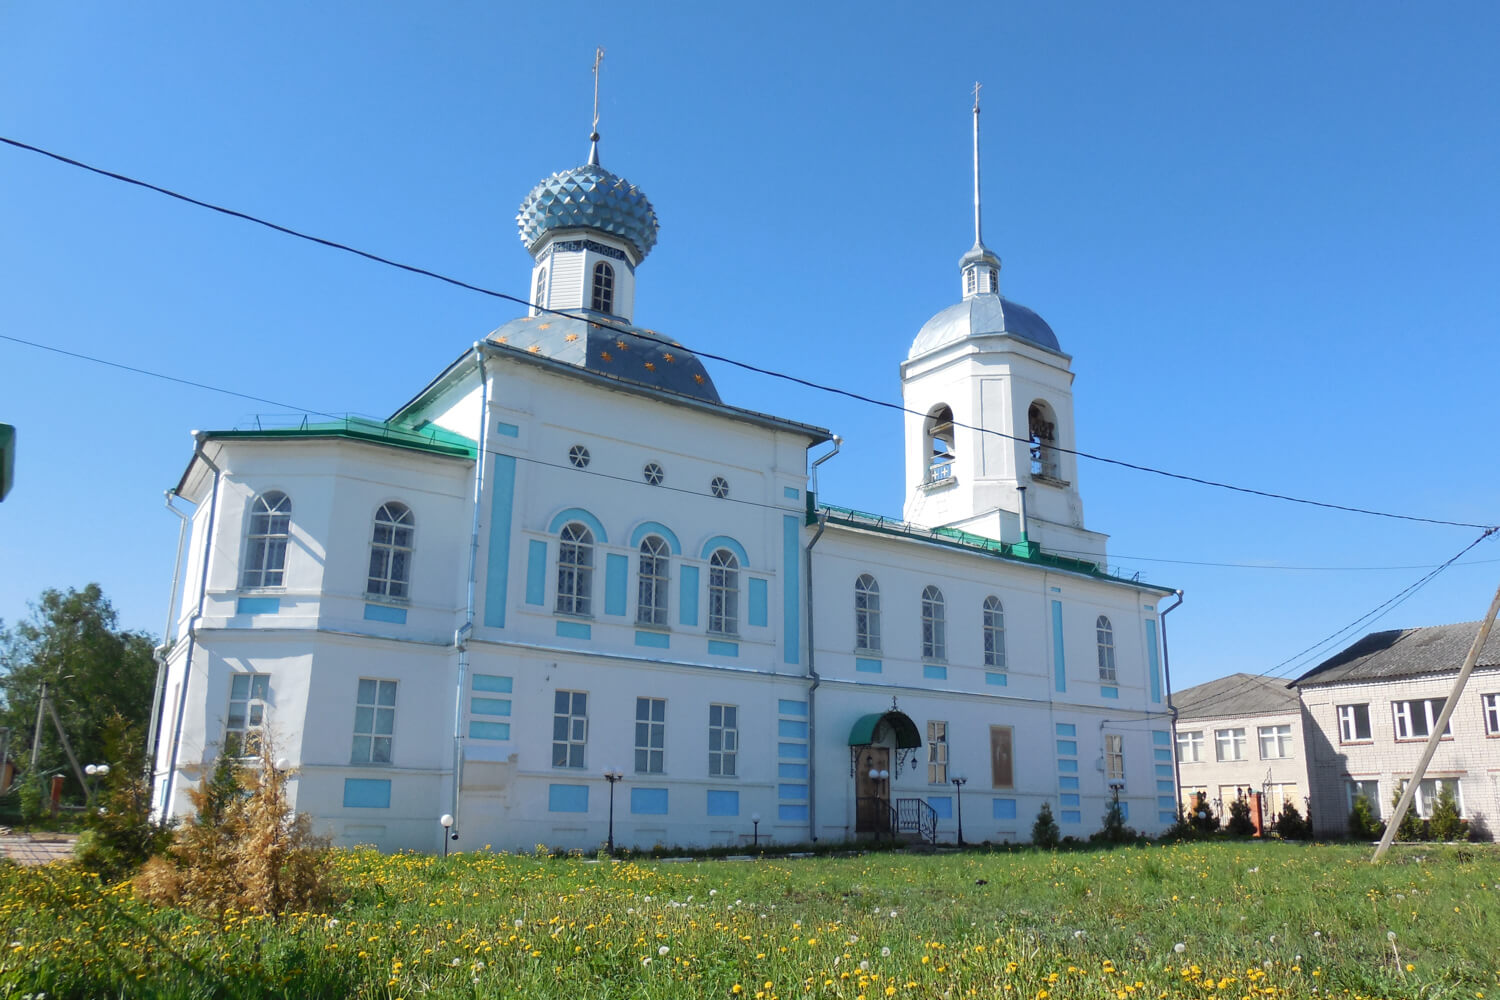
x=1166, y=670
x=192, y=630
x=812, y=672
x=461, y=635
x=1022, y=490
x=159, y=654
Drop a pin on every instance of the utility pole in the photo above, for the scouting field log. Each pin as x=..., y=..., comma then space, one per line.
x=36, y=739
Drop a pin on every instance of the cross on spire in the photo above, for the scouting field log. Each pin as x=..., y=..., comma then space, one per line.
x=594, y=131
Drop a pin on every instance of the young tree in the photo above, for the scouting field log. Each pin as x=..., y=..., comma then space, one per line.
x=1240, y=824
x=120, y=833
x=1412, y=827
x=1446, y=824
x=1045, y=831
x=1362, y=822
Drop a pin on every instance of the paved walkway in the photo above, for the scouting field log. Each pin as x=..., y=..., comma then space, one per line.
x=37, y=849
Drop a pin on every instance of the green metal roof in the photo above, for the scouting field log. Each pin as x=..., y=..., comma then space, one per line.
x=431, y=439
x=863, y=732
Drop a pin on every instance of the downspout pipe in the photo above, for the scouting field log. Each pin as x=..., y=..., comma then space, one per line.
x=159, y=654
x=462, y=634
x=187, y=662
x=1166, y=669
x=812, y=648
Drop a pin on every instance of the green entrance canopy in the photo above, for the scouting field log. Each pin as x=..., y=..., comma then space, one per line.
x=907, y=736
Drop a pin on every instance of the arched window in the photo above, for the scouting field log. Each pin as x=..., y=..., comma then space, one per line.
x=390, y=551
x=994, y=280
x=604, y=288
x=265, y=542
x=994, y=633
x=538, y=298
x=971, y=280
x=575, y=570
x=938, y=430
x=1106, y=635
x=934, y=625
x=651, y=603
x=1042, y=429
x=723, y=592
x=867, y=614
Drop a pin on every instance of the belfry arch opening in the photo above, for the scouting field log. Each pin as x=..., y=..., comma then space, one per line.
x=1041, y=424
x=938, y=430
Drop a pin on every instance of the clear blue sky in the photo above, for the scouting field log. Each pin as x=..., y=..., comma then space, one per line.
x=1267, y=233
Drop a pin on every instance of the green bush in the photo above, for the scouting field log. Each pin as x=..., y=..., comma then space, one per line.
x=119, y=833
x=1290, y=824
x=32, y=794
x=1240, y=824
x=1045, y=832
x=1412, y=827
x=1114, y=830
x=1445, y=823
x=1362, y=822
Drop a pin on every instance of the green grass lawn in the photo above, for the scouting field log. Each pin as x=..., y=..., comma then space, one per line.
x=1199, y=920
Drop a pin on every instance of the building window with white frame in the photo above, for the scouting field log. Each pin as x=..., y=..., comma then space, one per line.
x=1114, y=757
x=575, y=570
x=1491, y=704
x=1431, y=789
x=1417, y=719
x=934, y=625
x=1275, y=741
x=1367, y=789
x=1190, y=747
x=723, y=740
x=937, y=752
x=390, y=552
x=867, y=614
x=651, y=592
x=1354, y=723
x=540, y=298
x=374, y=721
x=245, y=722
x=570, y=728
x=650, y=735
x=604, y=288
x=994, y=633
x=1104, y=633
x=1230, y=744
x=724, y=593
x=266, y=541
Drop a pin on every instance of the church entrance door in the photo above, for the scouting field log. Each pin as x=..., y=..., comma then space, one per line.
x=872, y=796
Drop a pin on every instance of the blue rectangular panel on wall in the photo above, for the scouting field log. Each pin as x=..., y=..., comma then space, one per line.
x=509, y=430
x=1161, y=737
x=1166, y=817
x=568, y=798
x=1166, y=802
x=1070, y=766
x=653, y=640
x=1164, y=771
x=791, y=813
x=489, y=730
x=489, y=706
x=536, y=573
x=257, y=605
x=1059, y=662
x=687, y=602
x=1067, y=729
x=1165, y=787
x=718, y=647
x=934, y=673
x=648, y=801
x=791, y=771
x=367, y=793
x=865, y=665
x=723, y=803
x=575, y=630
x=490, y=682
x=497, y=560
x=791, y=729
x=787, y=707
x=792, y=751
x=1003, y=808
x=791, y=791
x=1162, y=754
x=1124, y=808
x=1072, y=816
x=616, y=569
x=790, y=492
x=385, y=613
x=1071, y=799
x=791, y=590
x=942, y=805
x=1153, y=665
x=1067, y=782
x=1068, y=747
x=757, y=602
x=1107, y=691
x=996, y=679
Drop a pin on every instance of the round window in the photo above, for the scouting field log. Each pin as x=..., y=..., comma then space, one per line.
x=653, y=474
x=579, y=456
x=720, y=487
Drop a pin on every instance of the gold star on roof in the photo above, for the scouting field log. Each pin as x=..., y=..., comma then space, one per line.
x=535, y=348
x=668, y=358
x=606, y=356
x=571, y=337
x=621, y=345
x=650, y=367
x=544, y=326
x=502, y=340
x=698, y=379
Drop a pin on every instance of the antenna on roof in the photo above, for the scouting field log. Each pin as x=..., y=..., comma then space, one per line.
x=978, y=239
x=594, y=132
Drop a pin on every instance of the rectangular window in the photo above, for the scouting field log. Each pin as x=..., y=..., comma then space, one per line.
x=1429, y=791
x=1190, y=747
x=937, y=753
x=1275, y=741
x=374, y=721
x=650, y=735
x=1002, y=760
x=1491, y=704
x=1354, y=723
x=1114, y=757
x=570, y=728
x=723, y=740
x=246, y=720
x=1230, y=743
x=1416, y=719
x=1367, y=789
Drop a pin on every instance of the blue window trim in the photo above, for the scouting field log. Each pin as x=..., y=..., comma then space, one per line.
x=655, y=528
x=601, y=537
x=725, y=542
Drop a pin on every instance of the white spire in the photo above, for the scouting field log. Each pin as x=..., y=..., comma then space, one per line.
x=978, y=237
x=594, y=131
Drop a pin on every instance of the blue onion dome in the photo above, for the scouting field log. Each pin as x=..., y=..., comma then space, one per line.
x=589, y=197
x=983, y=315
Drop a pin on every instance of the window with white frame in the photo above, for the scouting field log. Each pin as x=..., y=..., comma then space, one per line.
x=867, y=614
x=1431, y=789
x=724, y=593
x=1491, y=704
x=245, y=722
x=723, y=740
x=539, y=298
x=575, y=570
x=1275, y=741
x=1354, y=723
x=937, y=753
x=1104, y=632
x=1190, y=747
x=651, y=592
x=266, y=541
x=934, y=625
x=570, y=728
x=390, y=552
x=604, y=288
x=374, y=721
x=1417, y=719
x=994, y=633
x=1367, y=789
x=1230, y=744
x=1114, y=757
x=650, y=735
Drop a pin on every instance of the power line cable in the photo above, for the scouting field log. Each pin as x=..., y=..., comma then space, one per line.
x=757, y=369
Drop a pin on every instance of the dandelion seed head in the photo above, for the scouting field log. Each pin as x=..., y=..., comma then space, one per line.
x=885, y=953
x=1179, y=947
x=663, y=950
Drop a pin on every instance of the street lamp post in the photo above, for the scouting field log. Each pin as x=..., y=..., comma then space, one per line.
x=612, y=777
x=447, y=821
x=958, y=783
x=95, y=771
x=755, y=826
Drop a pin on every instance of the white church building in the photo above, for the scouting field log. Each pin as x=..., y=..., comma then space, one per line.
x=567, y=593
